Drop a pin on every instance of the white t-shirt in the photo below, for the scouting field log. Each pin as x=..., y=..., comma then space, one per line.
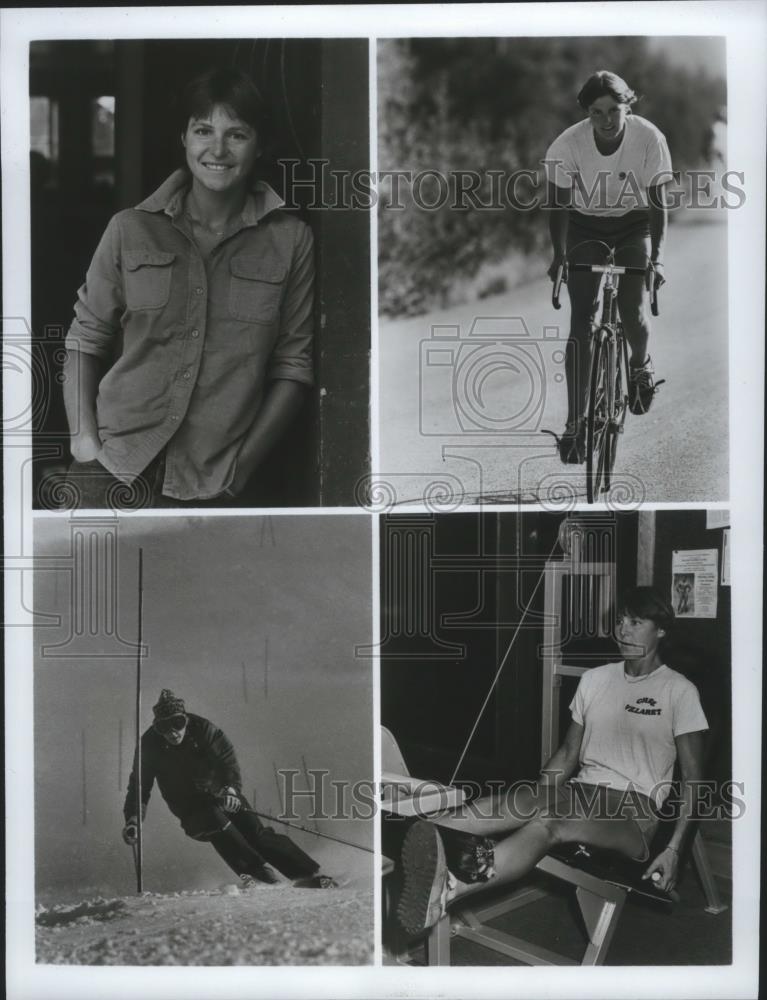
x=609, y=185
x=629, y=727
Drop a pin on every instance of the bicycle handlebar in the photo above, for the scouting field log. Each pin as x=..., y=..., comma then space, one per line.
x=564, y=269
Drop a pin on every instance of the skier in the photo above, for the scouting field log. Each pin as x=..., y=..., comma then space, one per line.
x=197, y=773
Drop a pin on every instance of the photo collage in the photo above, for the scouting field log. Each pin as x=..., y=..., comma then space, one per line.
x=382, y=541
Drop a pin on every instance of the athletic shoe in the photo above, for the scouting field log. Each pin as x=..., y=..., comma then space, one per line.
x=316, y=882
x=425, y=878
x=572, y=443
x=642, y=386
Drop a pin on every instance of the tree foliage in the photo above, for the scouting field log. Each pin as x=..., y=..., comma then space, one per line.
x=496, y=104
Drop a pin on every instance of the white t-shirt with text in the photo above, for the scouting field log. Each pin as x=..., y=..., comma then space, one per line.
x=630, y=724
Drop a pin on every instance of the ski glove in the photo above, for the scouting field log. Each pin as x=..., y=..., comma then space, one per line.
x=130, y=831
x=229, y=800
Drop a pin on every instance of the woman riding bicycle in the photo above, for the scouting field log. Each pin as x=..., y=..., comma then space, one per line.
x=606, y=179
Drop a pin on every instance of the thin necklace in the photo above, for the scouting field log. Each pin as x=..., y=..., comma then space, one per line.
x=202, y=225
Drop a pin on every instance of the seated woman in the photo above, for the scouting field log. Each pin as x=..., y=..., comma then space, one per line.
x=631, y=722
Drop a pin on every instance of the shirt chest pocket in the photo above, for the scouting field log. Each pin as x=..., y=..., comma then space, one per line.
x=148, y=276
x=255, y=288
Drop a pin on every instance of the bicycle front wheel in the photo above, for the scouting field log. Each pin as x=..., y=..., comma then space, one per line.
x=600, y=426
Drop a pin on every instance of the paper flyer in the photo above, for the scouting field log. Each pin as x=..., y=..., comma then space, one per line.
x=695, y=579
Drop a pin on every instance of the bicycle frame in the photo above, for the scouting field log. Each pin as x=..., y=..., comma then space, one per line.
x=615, y=341
x=608, y=368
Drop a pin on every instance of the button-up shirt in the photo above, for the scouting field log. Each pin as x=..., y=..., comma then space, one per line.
x=190, y=341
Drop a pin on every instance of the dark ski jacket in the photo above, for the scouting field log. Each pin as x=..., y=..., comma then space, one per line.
x=200, y=766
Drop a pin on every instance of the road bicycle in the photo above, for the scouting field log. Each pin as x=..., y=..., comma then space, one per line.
x=607, y=401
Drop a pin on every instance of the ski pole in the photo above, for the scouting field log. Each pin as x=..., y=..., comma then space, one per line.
x=314, y=833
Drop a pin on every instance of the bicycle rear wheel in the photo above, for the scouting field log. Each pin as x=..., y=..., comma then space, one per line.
x=600, y=427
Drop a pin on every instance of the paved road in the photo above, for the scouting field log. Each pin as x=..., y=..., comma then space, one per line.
x=467, y=425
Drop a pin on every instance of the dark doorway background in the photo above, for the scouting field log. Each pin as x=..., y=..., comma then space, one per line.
x=104, y=137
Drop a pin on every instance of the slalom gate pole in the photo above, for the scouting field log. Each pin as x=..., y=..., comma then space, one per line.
x=138, y=850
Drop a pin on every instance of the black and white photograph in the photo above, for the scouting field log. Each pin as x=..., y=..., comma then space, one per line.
x=383, y=393
x=201, y=316
x=203, y=741
x=569, y=799
x=502, y=159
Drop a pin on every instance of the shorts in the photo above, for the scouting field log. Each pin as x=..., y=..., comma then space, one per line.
x=576, y=799
x=629, y=234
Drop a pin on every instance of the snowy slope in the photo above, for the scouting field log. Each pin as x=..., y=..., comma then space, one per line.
x=266, y=925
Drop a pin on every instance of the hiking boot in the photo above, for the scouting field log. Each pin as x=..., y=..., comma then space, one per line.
x=572, y=443
x=424, y=895
x=316, y=882
x=642, y=386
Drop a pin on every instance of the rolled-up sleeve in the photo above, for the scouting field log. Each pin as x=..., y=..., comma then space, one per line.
x=292, y=356
x=100, y=301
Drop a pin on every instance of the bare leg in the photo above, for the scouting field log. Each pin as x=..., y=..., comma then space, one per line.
x=633, y=299
x=582, y=289
x=496, y=816
x=632, y=305
x=428, y=886
x=521, y=851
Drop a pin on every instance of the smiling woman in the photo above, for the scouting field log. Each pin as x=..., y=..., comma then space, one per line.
x=221, y=151
x=191, y=347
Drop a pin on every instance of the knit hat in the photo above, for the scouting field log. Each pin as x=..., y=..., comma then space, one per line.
x=168, y=705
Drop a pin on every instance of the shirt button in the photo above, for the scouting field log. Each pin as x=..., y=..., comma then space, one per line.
x=198, y=290
x=173, y=417
x=187, y=375
x=195, y=333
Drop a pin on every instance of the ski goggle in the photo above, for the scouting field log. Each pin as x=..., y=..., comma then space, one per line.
x=164, y=726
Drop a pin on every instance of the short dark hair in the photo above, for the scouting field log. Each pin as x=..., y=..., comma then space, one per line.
x=647, y=602
x=231, y=88
x=603, y=83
